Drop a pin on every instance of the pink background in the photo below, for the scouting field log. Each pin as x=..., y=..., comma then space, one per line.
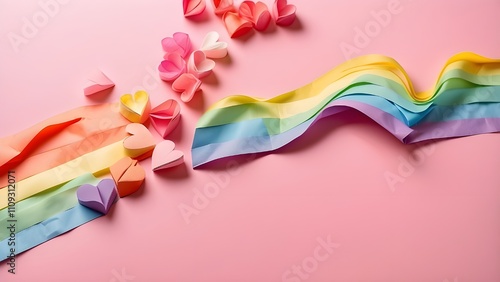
x=441, y=224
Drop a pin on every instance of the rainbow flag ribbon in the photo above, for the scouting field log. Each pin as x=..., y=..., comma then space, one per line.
x=465, y=101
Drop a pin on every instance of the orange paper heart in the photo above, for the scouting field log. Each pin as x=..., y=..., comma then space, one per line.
x=257, y=13
x=140, y=142
x=223, y=6
x=128, y=175
x=235, y=25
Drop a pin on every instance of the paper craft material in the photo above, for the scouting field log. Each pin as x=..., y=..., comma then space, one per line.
x=165, y=117
x=172, y=67
x=374, y=85
x=235, y=25
x=223, y=6
x=199, y=65
x=100, y=197
x=212, y=47
x=284, y=13
x=97, y=82
x=257, y=13
x=165, y=156
x=179, y=43
x=135, y=107
x=193, y=7
x=187, y=84
x=128, y=176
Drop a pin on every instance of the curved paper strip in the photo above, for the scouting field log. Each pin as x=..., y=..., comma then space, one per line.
x=257, y=13
x=128, y=175
x=164, y=156
x=235, y=25
x=96, y=161
x=389, y=91
x=135, y=107
x=97, y=82
x=193, y=7
x=61, y=130
x=165, y=117
x=188, y=85
x=212, y=47
x=172, y=67
x=223, y=6
x=199, y=65
x=98, y=197
x=284, y=13
x=45, y=205
x=179, y=44
x=48, y=229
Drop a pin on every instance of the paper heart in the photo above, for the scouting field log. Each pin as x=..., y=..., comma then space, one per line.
x=165, y=117
x=223, y=6
x=188, y=84
x=212, y=48
x=140, y=142
x=257, y=13
x=199, y=64
x=235, y=25
x=164, y=156
x=284, y=13
x=97, y=82
x=172, y=67
x=135, y=108
x=193, y=7
x=179, y=43
x=99, y=198
x=128, y=176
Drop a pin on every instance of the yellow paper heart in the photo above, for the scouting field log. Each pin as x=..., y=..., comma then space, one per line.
x=135, y=108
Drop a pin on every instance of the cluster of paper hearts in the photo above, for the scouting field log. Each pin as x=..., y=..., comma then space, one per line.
x=186, y=68
x=249, y=14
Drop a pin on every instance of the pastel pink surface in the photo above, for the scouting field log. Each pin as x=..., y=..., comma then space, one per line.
x=442, y=223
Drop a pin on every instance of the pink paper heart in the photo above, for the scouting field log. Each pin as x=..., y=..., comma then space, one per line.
x=165, y=117
x=193, y=7
x=257, y=13
x=164, y=156
x=223, y=6
x=235, y=25
x=179, y=44
x=188, y=84
x=172, y=67
x=199, y=64
x=97, y=82
x=99, y=198
x=284, y=13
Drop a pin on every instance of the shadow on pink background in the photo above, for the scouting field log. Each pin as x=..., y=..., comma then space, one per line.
x=319, y=209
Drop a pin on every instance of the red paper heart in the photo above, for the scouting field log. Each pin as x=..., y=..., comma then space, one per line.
x=284, y=13
x=193, y=7
x=257, y=13
x=223, y=6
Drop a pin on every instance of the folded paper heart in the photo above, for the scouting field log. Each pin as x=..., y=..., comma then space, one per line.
x=164, y=156
x=223, y=6
x=179, y=43
x=128, y=175
x=193, y=7
x=135, y=107
x=172, y=67
x=257, y=13
x=284, y=13
x=199, y=64
x=140, y=142
x=97, y=82
x=212, y=48
x=188, y=85
x=165, y=117
x=235, y=25
x=99, y=198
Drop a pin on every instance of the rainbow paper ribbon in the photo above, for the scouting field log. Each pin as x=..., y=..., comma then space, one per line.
x=465, y=101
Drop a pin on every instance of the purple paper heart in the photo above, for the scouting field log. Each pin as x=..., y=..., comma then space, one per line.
x=99, y=198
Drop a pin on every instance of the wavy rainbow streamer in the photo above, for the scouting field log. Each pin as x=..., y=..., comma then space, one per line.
x=465, y=101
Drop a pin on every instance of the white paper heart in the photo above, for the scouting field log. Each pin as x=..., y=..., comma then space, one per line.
x=212, y=47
